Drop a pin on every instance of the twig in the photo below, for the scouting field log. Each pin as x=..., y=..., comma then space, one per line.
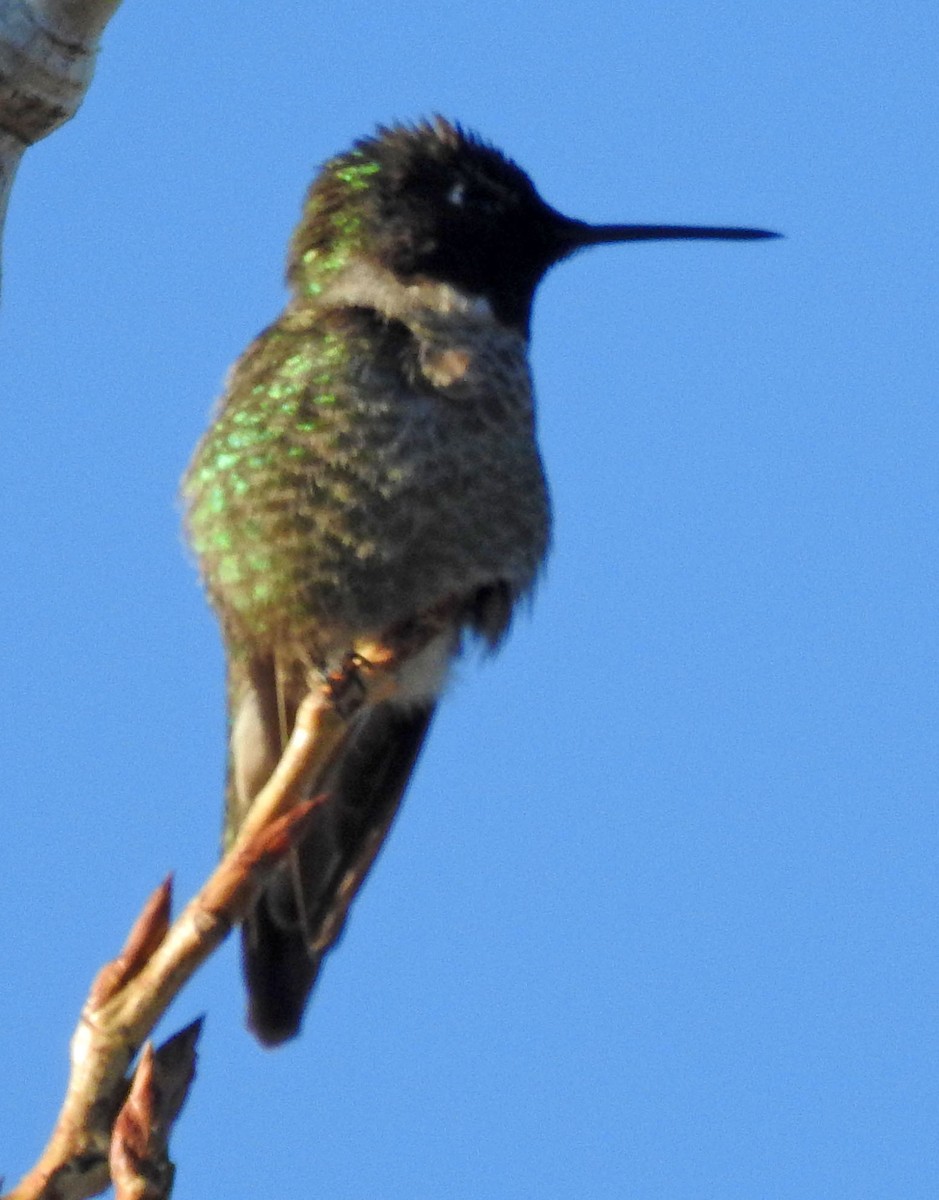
x=131, y=993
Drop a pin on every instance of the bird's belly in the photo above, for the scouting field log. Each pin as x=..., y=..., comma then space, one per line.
x=412, y=535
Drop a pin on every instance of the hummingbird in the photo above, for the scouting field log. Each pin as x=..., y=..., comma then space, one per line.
x=372, y=467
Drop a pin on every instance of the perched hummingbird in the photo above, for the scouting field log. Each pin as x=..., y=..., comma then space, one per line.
x=373, y=460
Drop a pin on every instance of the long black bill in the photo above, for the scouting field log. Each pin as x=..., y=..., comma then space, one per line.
x=581, y=234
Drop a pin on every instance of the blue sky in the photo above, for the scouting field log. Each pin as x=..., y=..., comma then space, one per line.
x=658, y=919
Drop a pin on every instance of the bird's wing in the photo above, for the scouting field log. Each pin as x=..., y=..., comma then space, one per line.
x=300, y=913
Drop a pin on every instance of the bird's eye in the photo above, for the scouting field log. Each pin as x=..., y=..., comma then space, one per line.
x=473, y=200
x=457, y=195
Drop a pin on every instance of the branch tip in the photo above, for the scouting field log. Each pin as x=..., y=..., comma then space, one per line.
x=140, y=1168
x=146, y=934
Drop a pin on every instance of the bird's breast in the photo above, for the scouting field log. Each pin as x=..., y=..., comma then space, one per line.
x=405, y=473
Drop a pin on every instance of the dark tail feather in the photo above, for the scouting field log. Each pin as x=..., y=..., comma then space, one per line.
x=301, y=912
x=279, y=972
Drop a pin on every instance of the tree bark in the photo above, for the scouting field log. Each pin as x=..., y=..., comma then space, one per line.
x=48, y=50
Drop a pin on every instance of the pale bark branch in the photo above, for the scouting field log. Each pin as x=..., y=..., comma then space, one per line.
x=48, y=50
x=108, y=1122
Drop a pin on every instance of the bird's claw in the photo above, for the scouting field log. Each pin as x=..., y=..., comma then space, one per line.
x=345, y=687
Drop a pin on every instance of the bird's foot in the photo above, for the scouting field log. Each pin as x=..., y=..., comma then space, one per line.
x=345, y=688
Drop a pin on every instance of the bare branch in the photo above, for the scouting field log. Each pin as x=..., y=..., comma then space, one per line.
x=48, y=50
x=109, y=1122
x=105, y=1124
